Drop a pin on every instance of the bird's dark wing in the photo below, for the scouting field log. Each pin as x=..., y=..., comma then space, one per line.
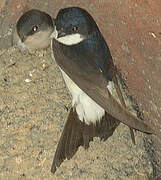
x=89, y=78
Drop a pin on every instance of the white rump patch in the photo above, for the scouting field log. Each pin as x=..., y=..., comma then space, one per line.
x=111, y=88
x=87, y=109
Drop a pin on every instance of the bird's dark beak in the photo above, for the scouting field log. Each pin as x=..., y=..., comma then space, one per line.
x=23, y=38
x=61, y=33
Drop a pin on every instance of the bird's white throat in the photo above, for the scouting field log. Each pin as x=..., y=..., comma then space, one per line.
x=68, y=39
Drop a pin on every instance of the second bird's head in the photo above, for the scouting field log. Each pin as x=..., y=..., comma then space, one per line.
x=34, y=29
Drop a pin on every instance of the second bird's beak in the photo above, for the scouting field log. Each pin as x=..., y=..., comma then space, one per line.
x=23, y=38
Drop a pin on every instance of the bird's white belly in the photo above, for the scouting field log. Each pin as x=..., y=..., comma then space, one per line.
x=87, y=109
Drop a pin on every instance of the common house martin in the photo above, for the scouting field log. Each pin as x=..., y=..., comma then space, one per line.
x=33, y=30
x=87, y=67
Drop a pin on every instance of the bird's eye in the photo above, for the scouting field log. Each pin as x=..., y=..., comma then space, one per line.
x=75, y=28
x=35, y=28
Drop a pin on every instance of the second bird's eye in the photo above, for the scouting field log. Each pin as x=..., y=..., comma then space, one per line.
x=35, y=28
x=75, y=28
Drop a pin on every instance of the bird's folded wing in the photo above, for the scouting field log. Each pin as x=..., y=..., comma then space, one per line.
x=92, y=82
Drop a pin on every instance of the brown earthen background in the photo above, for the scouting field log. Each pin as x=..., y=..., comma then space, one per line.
x=132, y=29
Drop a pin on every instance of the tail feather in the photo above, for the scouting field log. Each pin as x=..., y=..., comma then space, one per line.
x=77, y=133
x=117, y=78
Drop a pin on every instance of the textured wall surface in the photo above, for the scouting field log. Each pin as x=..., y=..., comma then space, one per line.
x=133, y=32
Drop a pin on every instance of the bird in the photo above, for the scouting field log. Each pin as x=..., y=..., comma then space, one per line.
x=87, y=67
x=33, y=30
